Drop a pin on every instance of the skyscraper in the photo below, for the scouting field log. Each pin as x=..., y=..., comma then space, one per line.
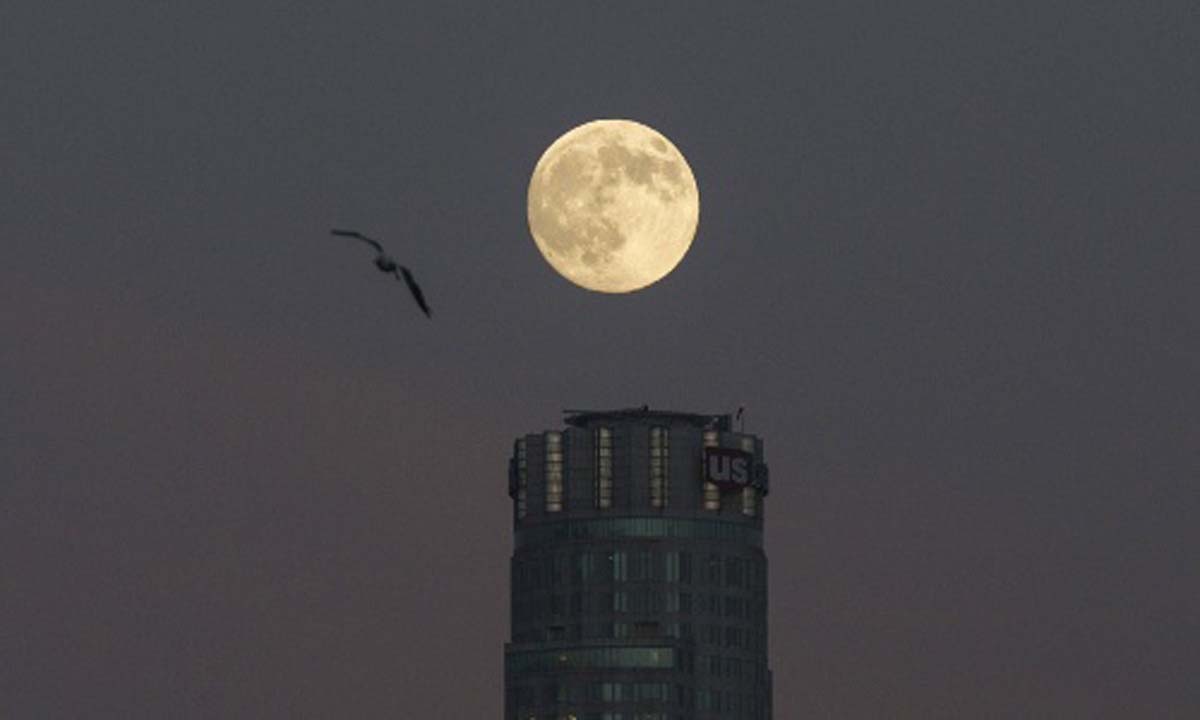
x=639, y=583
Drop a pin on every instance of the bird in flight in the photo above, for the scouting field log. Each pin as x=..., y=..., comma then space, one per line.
x=388, y=265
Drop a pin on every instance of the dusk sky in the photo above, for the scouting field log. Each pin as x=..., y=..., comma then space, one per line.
x=947, y=260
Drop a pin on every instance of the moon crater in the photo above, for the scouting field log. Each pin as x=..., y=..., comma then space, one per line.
x=613, y=206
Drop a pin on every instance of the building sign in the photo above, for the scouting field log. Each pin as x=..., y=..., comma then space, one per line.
x=731, y=469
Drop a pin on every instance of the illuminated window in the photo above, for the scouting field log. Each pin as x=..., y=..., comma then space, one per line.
x=604, y=467
x=522, y=479
x=554, y=471
x=659, y=467
x=749, y=494
x=712, y=493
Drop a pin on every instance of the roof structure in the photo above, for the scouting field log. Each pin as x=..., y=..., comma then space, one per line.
x=583, y=418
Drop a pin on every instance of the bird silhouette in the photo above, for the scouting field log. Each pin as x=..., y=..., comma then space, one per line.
x=386, y=264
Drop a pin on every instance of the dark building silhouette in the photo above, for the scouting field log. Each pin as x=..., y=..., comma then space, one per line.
x=639, y=583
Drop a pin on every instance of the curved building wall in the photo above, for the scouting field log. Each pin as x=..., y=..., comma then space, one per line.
x=638, y=587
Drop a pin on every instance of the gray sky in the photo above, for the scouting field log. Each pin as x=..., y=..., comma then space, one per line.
x=946, y=259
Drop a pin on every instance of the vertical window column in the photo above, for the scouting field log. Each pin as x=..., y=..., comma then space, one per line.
x=522, y=480
x=604, y=467
x=712, y=493
x=554, y=472
x=660, y=450
x=749, y=494
x=749, y=501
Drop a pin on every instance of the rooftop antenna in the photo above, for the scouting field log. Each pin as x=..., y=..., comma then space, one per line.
x=740, y=419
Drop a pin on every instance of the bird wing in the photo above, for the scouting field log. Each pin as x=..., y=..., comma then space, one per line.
x=358, y=236
x=416, y=292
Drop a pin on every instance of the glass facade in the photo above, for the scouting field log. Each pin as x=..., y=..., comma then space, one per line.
x=660, y=456
x=638, y=527
x=590, y=658
x=638, y=589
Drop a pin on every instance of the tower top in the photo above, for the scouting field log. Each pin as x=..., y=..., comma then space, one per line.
x=584, y=418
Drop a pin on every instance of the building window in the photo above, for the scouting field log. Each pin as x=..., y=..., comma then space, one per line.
x=749, y=501
x=712, y=493
x=712, y=576
x=554, y=472
x=735, y=572
x=604, y=467
x=618, y=566
x=522, y=479
x=749, y=494
x=660, y=452
x=585, y=567
x=622, y=657
x=641, y=565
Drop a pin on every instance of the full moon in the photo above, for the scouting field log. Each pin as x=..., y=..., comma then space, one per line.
x=613, y=206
